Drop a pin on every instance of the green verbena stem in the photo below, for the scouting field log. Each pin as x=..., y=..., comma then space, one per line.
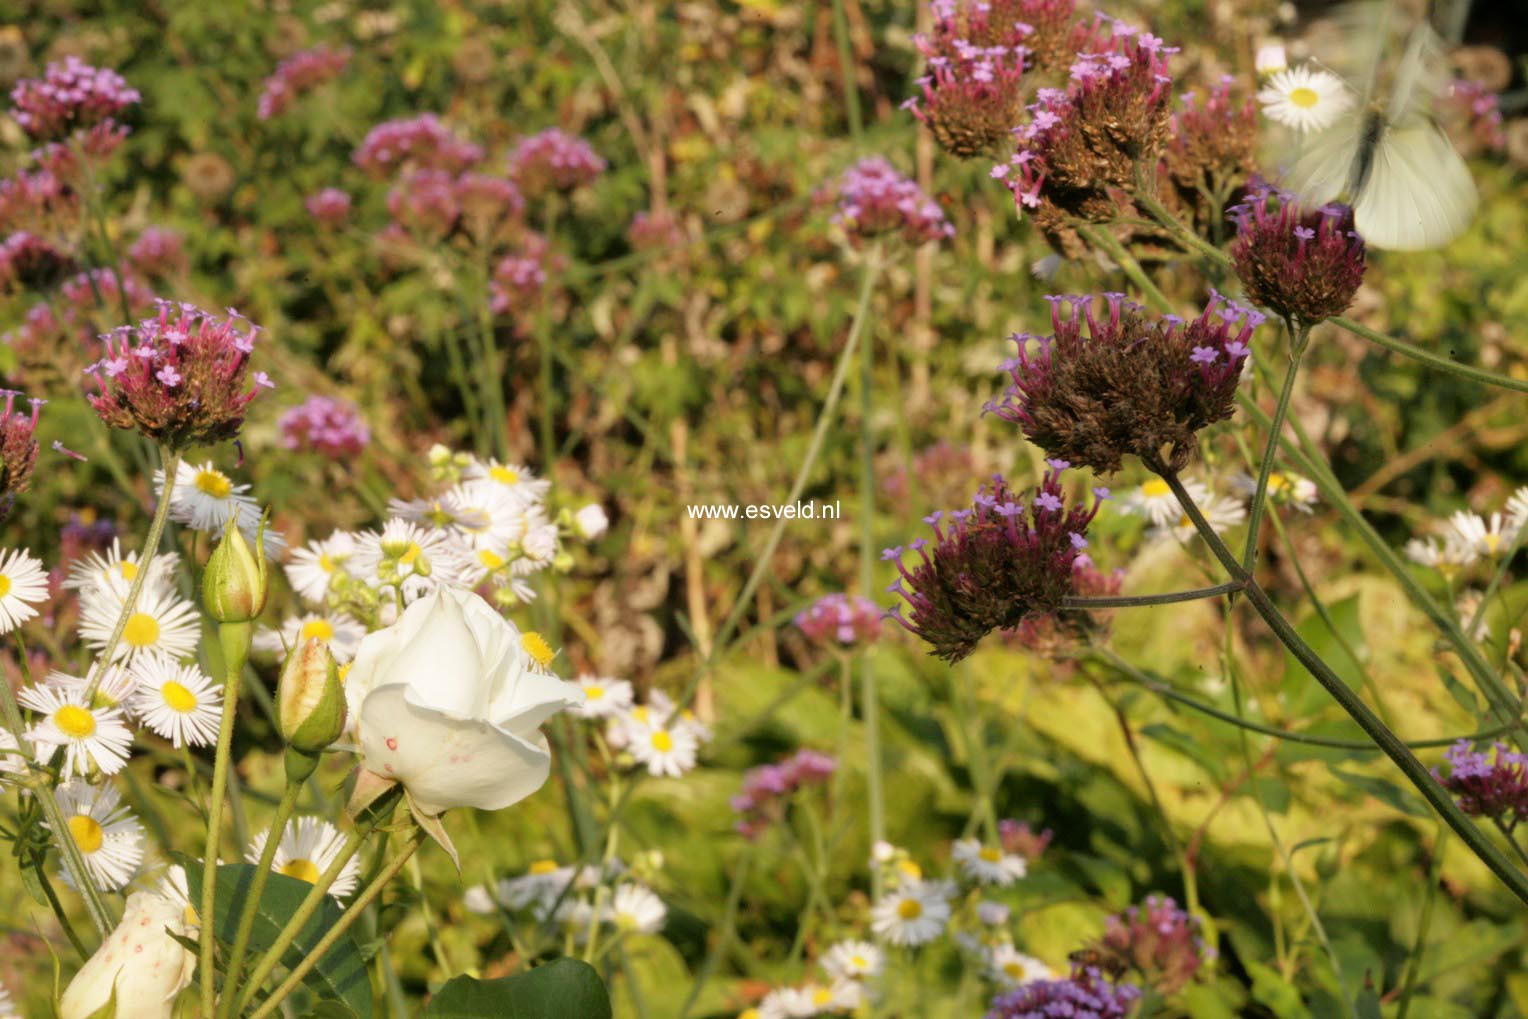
x=490, y=374
x=331, y=937
x=1131, y=601
x=235, y=640
x=870, y=703
x=544, y=349
x=1436, y=361
x=1350, y=702
x=170, y=461
x=1298, y=338
x=251, y=908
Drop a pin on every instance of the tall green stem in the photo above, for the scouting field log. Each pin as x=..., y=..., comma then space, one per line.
x=869, y=695
x=1298, y=338
x=548, y=416
x=1350, y=702
x=251, y=905
x=235, y=640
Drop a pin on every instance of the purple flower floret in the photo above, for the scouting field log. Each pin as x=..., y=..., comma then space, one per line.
x=874, y=200
x=70, y=95
x=838, y=618
x=1490, y=783
x=1086, y=994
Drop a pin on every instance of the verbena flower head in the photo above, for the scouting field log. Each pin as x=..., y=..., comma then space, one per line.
x=972, y=93
x=323, y=425
x=1051, y=633
x=18, y=448
x=656, y=231
x=1160, y=941
x=1086, y=994
x=875, y=200
x=158, y=252
x=70, y=95
x=424, y=203
x=1480, y=109
x=1019, y=838
x=1044, y=27
x=839, y=619
x=520, y=279
x=553, y=160
x=1491, y=783
x=422, y=142
x=488, y=204
x=1101, y=387
x=28, y=262
x=1211, y=145
x=1303, y=264
x=992, y=566
x=766, y=788
x=178, y=377
x=1112, y=117
x=331, y=206
x=39, y=200
x=298, y=74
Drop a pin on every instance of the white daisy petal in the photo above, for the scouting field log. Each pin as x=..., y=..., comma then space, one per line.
x=179, y=702
x=1305, y=98
x=160, y=622
x=108, y=836
x=308, y=846
x=23, y=585
x=89, y=736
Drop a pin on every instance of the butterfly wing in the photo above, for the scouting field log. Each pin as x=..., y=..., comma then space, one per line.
x=1418, y=193
x=1322, y=169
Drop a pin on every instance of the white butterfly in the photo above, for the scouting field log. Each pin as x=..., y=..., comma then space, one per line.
x=1388, y=159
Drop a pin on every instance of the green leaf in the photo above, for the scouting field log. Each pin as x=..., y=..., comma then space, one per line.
x=1386, y=792
x=1463, y=695
x=1273, y=991
x=340, y=976
x=562, y=989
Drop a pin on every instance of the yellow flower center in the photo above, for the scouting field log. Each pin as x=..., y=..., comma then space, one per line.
x=593, y=692
x=536, y=646
x=5, y=585
x=1013, y=969
x=911, y=869
x=640, y=714
x=1303, y=97
x=491, y=559
x=326, y=563
x=1277, y=483
x=503, y=475
x=141, y=630
x=1493, y=543
x=662, y=741
x=909, y=909
x=74, y=721
x=178, y=697
x=87, y=833
x=214, y=483
x=990, y=855
x=345, y=670
x=543, y=867
x=1156, y=488
x=302, y=870
x=859, y=962
x=822, y=995
x=411, y=553
x=320, y=628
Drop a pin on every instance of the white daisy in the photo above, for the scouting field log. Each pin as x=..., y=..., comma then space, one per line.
x=342, y=633
x=988, y=865
x=314, y=566
x=13, y=757
x=1156, y=502
x=172, y=886
x=115, y=690
x=1516, y=509
x=90, y=736
x=160, y=622
x=308, y=846
x=853, y=960
x=516, y=479
x=109, y=837
x=1284, y=489
x=913, y=913
x=788, y=1003
x=540, y=885
x=1305, y=98
x=1270, y=59
x=413, y=559
x=637, y=910
x=603, y=697
x=1484, y=539
x=23, y=584
x=1012, y=968
x=7, y=1007
x=179, y=702
x=1446, y=555
x=993, y=914
x=205, y=499
x=1219, y=511
x=663, y=748
x=94, y=570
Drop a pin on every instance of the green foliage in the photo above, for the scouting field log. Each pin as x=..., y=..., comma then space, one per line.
x=561, y=989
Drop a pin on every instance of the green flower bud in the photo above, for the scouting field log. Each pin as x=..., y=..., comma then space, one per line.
x=310, y=700
x=236, y=582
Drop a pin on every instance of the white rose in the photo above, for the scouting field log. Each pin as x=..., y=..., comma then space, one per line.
x=448, y=702
x=140, y=959
x=591, y=521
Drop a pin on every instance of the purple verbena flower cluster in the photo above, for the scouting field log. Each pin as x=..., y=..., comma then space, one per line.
x=330, y=206
x=1129, y=384
x=157, y=252
x=1481, y=110
x=1488, y=783
x=178, y=377
x=973, y=91
x=875, y=200
x=1304, y=264
x=1211, y=147
x=71, y=95
x=992, y=566
x=840, y=619
x=766, y=789
x=18, y=448
x=39, y=200
x=31, y=263
x=327, y=426
x=431, y=204
x=1160, y=940
x=299, y=74
x=1086, y=994
x=1019, y=838
x=553, y=160
x=655, y=231
x=421, y=142
x=519, y=279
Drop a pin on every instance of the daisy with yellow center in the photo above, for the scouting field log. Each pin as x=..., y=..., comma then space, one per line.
x=160, y=623
x=1156, y=502
x=987, y=865
x=205, y=499
x=307, y=847
x=108, y=836
x=91, y=737
x=1284, y=489
x=913, y=913
x=663, y=748
x=1305, y=98
x=535, y=645
x=115, y=690
x=636, y=910
x=853, y=960
x=1012, y=968
x=1483, y=538
x=603, y=697
x=23, y=585
x=516, y=479
x=412, y=559
x=342, y=633
x=177, y=701
x=314, y=567
x=115, y=568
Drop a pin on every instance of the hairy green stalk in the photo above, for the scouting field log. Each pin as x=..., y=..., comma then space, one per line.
x=251, y=910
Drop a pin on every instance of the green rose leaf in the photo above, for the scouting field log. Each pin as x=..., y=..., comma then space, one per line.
x=562, y=989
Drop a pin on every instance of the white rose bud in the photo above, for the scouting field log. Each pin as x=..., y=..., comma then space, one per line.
x=591, y=522
x=449, y=700
x=1270, y=59
x=140, y=960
